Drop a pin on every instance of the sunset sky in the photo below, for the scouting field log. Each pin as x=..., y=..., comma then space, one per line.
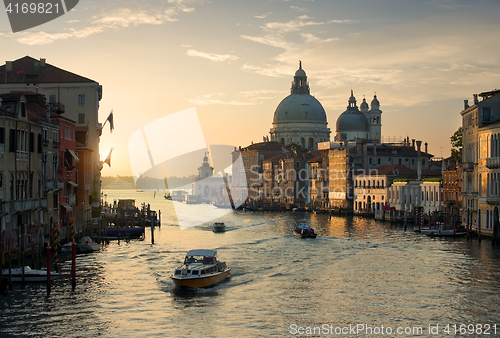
x=234, y=61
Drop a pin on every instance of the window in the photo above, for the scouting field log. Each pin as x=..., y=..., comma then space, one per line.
x=67, y=133
x=81, y=99
x=486, y=114
x=81, y=118
x=379, y=161
x=52, y=99
x=23, y=109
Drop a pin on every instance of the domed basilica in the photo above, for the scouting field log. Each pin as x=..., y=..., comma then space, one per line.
x=360, y=124
x=301, y=119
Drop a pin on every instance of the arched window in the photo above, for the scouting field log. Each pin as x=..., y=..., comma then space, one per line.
x=282, y=141
x=303, y=141
x=310, y=143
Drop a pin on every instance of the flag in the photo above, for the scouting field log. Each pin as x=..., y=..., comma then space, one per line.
x=108, y=159
x=110, y=120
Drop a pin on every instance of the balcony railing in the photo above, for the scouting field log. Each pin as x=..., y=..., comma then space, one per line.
x=492, y=199
x=493, y=162
x=52, y=185
x=28, y=204
x=468, y=166
x=55, y=144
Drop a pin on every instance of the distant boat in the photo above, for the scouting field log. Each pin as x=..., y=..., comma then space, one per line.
x=168, y=197
x=304, y=231
x=85, y=245
x=139, y=190
x=30, y=275
x=219, y=227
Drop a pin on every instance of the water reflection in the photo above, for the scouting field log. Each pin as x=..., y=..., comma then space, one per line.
x=357, y=270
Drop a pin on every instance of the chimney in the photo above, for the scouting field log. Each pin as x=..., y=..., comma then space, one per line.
x=413, y=143
x=466, y=104
x=475, y=98
x=426, y=144
x=8, y=66
x=419, y=144
x=42, y=62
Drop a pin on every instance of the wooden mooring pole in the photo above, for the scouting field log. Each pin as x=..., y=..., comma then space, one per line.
x=48, y=269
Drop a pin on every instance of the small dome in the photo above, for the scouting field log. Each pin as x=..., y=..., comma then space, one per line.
x=300, y=72
x=352, y=121
x=299, y=107
x=363, y=106
x=375, y=104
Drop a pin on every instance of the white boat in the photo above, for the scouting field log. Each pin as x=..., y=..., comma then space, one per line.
x=86, y=245
x=30, y=275
x=200, y=269
x=219, y=227
x=438, y=231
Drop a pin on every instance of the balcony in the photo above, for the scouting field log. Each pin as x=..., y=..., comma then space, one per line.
x=468, y=166
x=492, y=199
x=71, y=200
x=52, y=185
x=46, y=142
x=28, y=204
x=55, y=144
x=493, y=162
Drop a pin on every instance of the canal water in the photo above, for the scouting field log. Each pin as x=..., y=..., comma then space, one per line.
x=358, y=278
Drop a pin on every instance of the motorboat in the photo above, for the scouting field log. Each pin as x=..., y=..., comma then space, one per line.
x=30, y=275
x=201, y=269
x=85, y=245
x=438, y=230
x=219, y=227
x=304, y=231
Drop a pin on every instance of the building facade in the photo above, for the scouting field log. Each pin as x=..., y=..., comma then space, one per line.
x=77, y=95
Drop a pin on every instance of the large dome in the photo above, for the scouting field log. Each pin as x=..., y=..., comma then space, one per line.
x=299, y=107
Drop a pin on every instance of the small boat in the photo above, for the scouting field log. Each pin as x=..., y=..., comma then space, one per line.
x=30, y=275
x=86, y=245
x=168, y=197
x=304, y=231
x=201, y=269
x=444, y=233
x=219, y=227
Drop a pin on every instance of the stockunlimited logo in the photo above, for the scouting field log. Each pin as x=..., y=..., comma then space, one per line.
x=173, y=146
x=28, y=14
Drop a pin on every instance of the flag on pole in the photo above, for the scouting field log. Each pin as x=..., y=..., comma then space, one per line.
x=110, y=120
x=108, y=159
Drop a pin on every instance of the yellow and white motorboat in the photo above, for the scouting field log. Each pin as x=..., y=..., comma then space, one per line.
x=200, y=269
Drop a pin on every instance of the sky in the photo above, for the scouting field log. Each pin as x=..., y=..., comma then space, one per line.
x=234, y=61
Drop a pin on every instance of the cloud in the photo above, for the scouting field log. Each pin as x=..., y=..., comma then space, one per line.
x=212, y=57
x=209, y=99
x=245, y=98
x=118, y=18
x=263, y=15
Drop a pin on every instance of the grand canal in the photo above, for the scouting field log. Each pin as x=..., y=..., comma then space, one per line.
x=357, y=272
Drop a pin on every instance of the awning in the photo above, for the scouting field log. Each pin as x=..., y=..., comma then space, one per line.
x=67, y=206
x=74, y=155
x=72, y=183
